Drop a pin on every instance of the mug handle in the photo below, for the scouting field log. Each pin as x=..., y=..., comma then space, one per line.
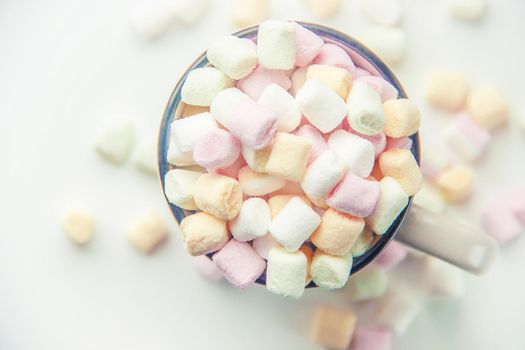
x=448, y=239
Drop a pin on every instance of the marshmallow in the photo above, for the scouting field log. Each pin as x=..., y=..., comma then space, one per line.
x=383, y=12
x=256, y=158
x=206, y=267
x=225, y=103
x=151, y=19
x=488, y=106
x=276, y=45
x=279, y=101
x=253, y=124
x=466, y=138
x=516, y=203
x=189, y=12
x=330, y=271
x=233, y=56
x=404, y=142
x=309, y=253
x=371, y=339
x=355, y=196
x=360, y=72
x=145, y=157
x=288, y=157
x=203, y=84
x=286, y=272
x=263, y=245
x=379, y=141
x=365, y=111
x=258, y=184
x=434, y=161
x=253, y=220
x=179, y=186
x=385, y=90
x=323, y=108
x=188, y=110
x=278, y=202
x=397, y=310
x=294, y=224
x=185, y=132
x=316, y=138
x=468, y=10
x=148, y=232
x=429, y=198
x=500, y=222
x=446, y=89
x=334, y=55
x=401, y=165
x=441, y=279
x=178, y=158
x=391, y=256
x=402, y=118
x=337, y=232
x=79, y=226
x=337, y=79
x=392, y=200
x=363, y=242
x=333, y=327
x=456, y=183
x=367, y=284
x=255, y=83
x=232, y=170
x=307, y=46
x=203, y=233
x=298, y=79
x=356, y=153
x=239, y=263
x=388, y=43
x=216, y=149
x=114, y=144
x=322, y=175
x=218, y=195
x=246, y=13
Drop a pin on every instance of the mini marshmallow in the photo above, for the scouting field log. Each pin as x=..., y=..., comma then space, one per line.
x=402, y=117
x=379, y=141
x=363, y=242
x=178, y=158
x=256, y=158
x=365, y=111
x=401, y=165
x=369, y=283
x=441, y=279
x=253, y=220
x=148, y=232
x=307, y=45
x=430, y=198
x=276, y=45
x=383, y=12
x=79, y=226
x=333, y=55
x=246, y=13
x=279, y=101
x=203, y=84
x=355, y=196
x=322, y=175
x=404, y=142
x=446, y=89
x=333, y=327
x=337, y=232
x=337, y=79
x=309, y=253
x=216, y=149
x=278, y=202
x=189, y=12
x=391, y=256
x=316, y=138
x=294, y=224
x=468, y=10
x=330, y=271
x=203, y=233
x=179, y=187
x=434, y=161
x=114, y=144
x=218, y=195
x=253, y=124
x=466, y=138
x=388, y=43
x=145, y=156
x=371, y=339
x=151, y=19
x=233, y=56
x=255, y=83
x=232, y=170
x=360, y=72
x=298, y=79
x=500, y=222
x=263, y=245
x=385, y=90
x=323, y=108
x=288, y=157
x=356, y=153
x=258, y=184
x=488, y=106
x=185, y=132
x=225, y=103
x=239, y=263
x=397, y=310
x=392, y=200
x=286, y=272
x=516, y=203
x=206, y=267
x=456, y=183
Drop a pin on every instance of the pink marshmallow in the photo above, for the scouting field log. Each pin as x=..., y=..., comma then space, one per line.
x=206, y=267
x=334, y=55
x=500, y=222
x=253, y=124
x=378, y=140
x=216, y=149
x=386, y=90
x=391, y=256
x=239, y=263
x=467, y=138
x=371, y=339
x=398, y=143
x=307, y=46
x=255, y=83
x=232, y=170
x=315, y=137
x=360, y=72
x=516, y=203
x=355, y=195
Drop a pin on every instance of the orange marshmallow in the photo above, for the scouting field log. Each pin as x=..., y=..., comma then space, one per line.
x=488, y=106
x=289, y=157
x=337, y=232
x=333, y=328
x=456, y=183
x=401, y=165
x=203, y=233
x=402, y=117
x=218, y=195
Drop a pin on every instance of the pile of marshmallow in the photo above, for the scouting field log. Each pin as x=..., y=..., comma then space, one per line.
x=285, y=159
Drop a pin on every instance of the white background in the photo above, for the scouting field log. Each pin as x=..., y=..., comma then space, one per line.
x=66, y=66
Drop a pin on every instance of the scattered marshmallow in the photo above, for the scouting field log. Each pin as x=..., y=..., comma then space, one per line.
x=402, y=117
x=216, y=149
x=203, y=233
x=388, y=43
x=371, y=339
x=233, y=56
x=189, y=12
x=179, y=186
x=253, y=220
x=148, y=232
x=298, y=79
x=258, y=184
x=256, y=158
x=263, y=245
x=383, y=12
x=218, y=195
x=316, y=138
x=392, y=200
x=255, y=83
x=365, y=110
x=360, y=160
x=456, y=183
x=145, y=156
x=322, y=175
x=279, y=101
x=276, y=45
x=249, y=13
x=253, y=124
x=186, y=131
x=441, y=279
x=446, y=89
x=278, y=202
x=307, y=46
x=430, y=198
x=468, y=10
x=363, y=242
x=114, y=143
x=206, y=267
x=367, y=284
x=151, y=19
x=333, y=327
x=334, y=55
x=79, y=226
x=500, y=222
x=516, y=203
x=487, y=105
x=391, y=256
x=178, y=158
x=467, y=138
x=337, y=79
x=288, y=157
x=385, y=90
x=355, y=196
x=401, y=165
x=203, y=84
x=397, y=310
x=330, y=271
x=434, y=161
x=225, y=103
x=286, y=272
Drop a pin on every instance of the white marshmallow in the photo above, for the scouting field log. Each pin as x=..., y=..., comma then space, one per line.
x=247, y=13
x=397, y=310
x=383, y=12
x=279, y=101
x=434, y=161
x=224, y=104
x=365, y=110
x=263, y=245
x=441, y=279
x=186, y=131
x=322, y=106
x=202, y=85
x=253, y=220
x=178, y=158
x=330, y=271
x=430, y=198
x=276, y=45
x=151, y=19
x=369, y=283
x=468, y=10
x=233, y=56
x=189, y=12
x=79, y=226
x=323, y=174
x=258, y=184
x=363, y=242
x=148, y=232
x=389, y=43
x=354, y=152
x=298, y=79
x=178, y=187
x=114, y=143
x=294, y=224
x=145, y=157
x=286, y=272
x=256, y=158
x=392, y=201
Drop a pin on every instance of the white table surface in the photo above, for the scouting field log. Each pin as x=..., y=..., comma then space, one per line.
x=66, y=66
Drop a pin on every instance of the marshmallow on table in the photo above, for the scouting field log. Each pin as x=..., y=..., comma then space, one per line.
x=203, y=84
x=391, y=255
x=294, y=224
x=385, y=90
x=206, y=267
x=337, y=79
x=263, y=245
x=189, y=12
x=256, y=158
x=468, y=10
x=255, y=83
x=360, y=72
x=430, y=198
x=286, y=272
x=446, y=89
x=145, y=157
x=371, y=339
x=337, y=232
x=316, y=138
x=369, y=283
x=309, y=253
x=383, y=12
x=397, y=309
x=500, y=222
x=186, y=131
x=232, y=170
x=355, y=195
x=179, y=187
x=323, y=174
x=78, y=225
x=404, y=142
x=218, y=195
x=151, y=19
x=203, y=233
x=114, y=144
x=392, y=200
x=467, y=138
x=434, y=161
x=441, y=279
x=363, y=242
x=148, y=232
x=333, y=55
x=246, y=13
x=456, y=183
x=253, y=220
x=288, y=157
x=298, y=79
x=307, y=45
x=239, y=263
x=258, y=184
x=330, y=271
x=279, y=101
x=333, y=327
x=276, y=44
x=253, y=124
x=516, y=203
x=178, y=158
x=216, y=149
x=389, y=43
x=488, y=106
x=402, y=117
x=356, y=153
x=401, y=165
x=278, y=202
x=379, y=141
x=233, y=56
x=365, y=110
x=323, y=108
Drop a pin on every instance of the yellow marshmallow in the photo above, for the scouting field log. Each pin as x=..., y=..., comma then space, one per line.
x=203, y=233
x=488, y=106
x=337, y=232
x=333, y=328
x=278, y=202
x=289, y=156
x=456, y=183
x=337, y=79
x=79, y=226
x=148, y=232
x=258, y=184
x=401, y=165
x=446, y=89
x=257, y=158
x=402, y=117
x=218, y=195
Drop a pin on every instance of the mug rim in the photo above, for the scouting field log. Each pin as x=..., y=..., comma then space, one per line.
x=347, y=42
